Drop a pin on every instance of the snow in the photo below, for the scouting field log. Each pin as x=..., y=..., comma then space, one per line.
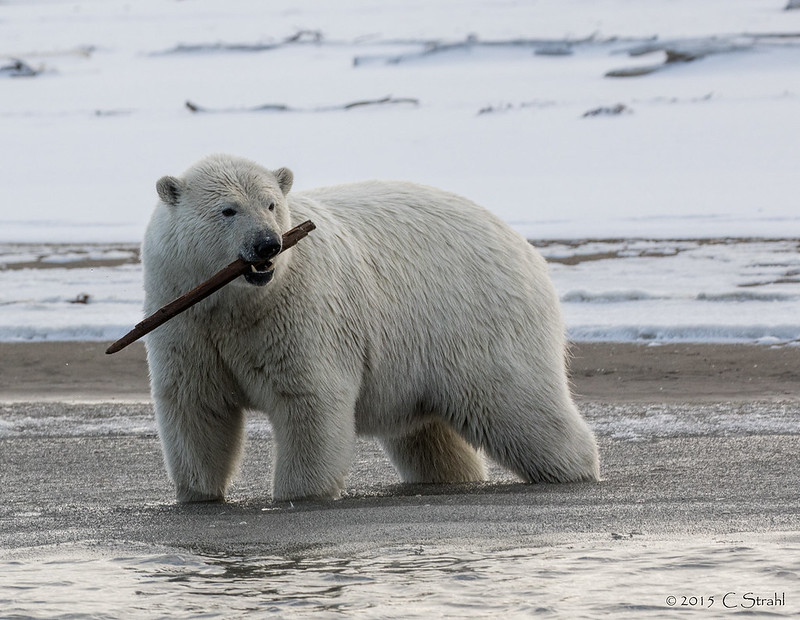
x=703, y=150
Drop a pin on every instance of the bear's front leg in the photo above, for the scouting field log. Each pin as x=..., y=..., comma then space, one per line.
x=314, y=437
x=202, y=444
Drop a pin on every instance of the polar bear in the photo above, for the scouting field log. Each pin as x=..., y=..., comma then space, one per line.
x=410, y=314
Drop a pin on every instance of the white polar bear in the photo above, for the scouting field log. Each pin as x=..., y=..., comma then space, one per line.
x=409, y=314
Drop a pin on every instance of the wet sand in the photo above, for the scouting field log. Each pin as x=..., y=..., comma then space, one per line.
x=110, y=488
x=606, y=372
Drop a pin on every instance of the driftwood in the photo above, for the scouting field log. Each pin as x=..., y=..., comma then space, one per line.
x=614, y=110
x=681, y=51
x=200, y=292
x=267, y=107
x=298, y=38
x=540, y=47
x=18, y=68
x=281, y=107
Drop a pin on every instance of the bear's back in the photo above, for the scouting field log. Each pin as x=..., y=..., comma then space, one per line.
x=405, y=221
x=416, y=255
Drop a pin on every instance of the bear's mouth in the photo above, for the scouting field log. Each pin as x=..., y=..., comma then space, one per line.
x=260, y=274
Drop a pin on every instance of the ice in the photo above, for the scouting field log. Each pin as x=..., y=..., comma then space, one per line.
x=43, y=304
x=687, y=291
x=627, y=290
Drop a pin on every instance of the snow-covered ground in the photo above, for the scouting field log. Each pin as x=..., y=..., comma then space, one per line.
x=704, y=147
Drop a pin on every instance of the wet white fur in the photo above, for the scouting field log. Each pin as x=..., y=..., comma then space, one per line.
x=409, y=314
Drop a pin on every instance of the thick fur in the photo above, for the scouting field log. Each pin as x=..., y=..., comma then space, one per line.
x=409, y=314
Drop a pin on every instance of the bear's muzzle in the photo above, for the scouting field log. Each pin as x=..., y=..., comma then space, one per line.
x=266, y=246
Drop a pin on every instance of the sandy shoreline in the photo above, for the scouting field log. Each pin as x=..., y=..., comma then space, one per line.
x=65, y=487
x=63, y=484
x=606, y=372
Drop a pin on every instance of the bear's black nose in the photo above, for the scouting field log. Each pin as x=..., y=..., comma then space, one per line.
x=267, y=246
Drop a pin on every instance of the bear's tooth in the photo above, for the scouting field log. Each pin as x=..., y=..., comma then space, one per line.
x=253, y=269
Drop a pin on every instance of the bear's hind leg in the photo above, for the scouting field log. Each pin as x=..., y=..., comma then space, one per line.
x=542, y=441
x=434, y=453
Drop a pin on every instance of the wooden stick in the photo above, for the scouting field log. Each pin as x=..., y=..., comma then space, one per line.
x=200, y=292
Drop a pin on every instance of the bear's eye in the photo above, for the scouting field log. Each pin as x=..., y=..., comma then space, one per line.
x=271, y=206
x=229, y=212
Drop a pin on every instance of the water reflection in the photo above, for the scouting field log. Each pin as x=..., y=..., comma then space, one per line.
x=631, y=577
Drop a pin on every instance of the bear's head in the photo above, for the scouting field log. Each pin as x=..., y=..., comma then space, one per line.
x=224, y=208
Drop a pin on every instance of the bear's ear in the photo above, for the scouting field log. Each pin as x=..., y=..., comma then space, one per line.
x=285, y=179
x=170, y=189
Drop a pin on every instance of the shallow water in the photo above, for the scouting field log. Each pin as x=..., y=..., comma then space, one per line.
x=623, y=576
